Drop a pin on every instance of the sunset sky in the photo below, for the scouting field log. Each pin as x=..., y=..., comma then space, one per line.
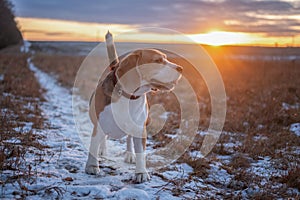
x=213, y=22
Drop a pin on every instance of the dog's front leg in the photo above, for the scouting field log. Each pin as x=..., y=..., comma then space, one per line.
x=141, y=174
x=92, y=165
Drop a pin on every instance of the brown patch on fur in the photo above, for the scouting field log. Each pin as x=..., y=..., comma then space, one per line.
x=101, y=98
x=128, y=63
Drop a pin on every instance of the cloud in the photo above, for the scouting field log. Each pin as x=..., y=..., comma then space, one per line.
x=192, y=16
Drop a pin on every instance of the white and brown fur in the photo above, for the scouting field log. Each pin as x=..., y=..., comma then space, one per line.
x=128, y=82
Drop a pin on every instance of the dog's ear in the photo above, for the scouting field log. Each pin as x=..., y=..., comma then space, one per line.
x=127, y=73
x=128, y=63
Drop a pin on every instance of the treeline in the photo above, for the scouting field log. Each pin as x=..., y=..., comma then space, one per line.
x=9, y=32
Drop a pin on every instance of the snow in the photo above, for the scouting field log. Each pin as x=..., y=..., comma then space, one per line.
x=259, y=138
x=64, y=160
x=264, y=168
x=131, y=193
x=25, y=47
x=295, y=128
x=178, y=171
x=265, y=57
x=196, y=154
x=12, y=140
x=219, y=175
x=287, y=106
x=27, y=127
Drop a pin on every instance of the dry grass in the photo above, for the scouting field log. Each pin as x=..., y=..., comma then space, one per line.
x=20, y=116
x=256, y=91
x=292, y=179
x=64, y=67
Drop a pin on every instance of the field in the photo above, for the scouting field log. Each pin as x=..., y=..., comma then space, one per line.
x=21, y=96
x=257, y=155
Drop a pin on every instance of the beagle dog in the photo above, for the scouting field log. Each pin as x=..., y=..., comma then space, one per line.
x=118, y=106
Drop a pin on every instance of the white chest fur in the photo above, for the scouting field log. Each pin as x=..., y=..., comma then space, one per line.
x=124, y=117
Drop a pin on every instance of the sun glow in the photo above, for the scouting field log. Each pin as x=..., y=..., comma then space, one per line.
x=218, y=38
x=63, y=30
x=41, y=29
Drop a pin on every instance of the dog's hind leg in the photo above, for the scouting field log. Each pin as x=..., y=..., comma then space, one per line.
x=92, y=165
x=129, y=155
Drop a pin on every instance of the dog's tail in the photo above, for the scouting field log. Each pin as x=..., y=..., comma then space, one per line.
x=111, y=49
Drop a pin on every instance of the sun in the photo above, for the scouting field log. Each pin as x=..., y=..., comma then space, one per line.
x=218, y=38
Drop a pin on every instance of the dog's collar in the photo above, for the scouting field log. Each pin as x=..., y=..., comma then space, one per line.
x=128, y=96
x=119, y=88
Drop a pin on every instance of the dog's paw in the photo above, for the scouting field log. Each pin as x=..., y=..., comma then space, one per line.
x=92, y=169
x=129, y=157
x=141, y=177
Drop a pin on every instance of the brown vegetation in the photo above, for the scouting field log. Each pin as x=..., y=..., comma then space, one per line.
x=20, y=116
x=256, y=123
x=64, y=67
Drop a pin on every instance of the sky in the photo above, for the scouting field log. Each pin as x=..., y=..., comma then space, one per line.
x=214, y=22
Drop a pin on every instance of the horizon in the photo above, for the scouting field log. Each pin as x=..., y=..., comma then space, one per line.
x=211, y=22
x=140, y=42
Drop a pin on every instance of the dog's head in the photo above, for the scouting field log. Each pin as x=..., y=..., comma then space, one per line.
x=148, y=69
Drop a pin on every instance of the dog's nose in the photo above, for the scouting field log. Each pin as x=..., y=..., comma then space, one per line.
x=179, y=69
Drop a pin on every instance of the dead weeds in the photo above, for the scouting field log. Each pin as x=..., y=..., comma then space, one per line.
x=261, y=95
x=20, y=116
